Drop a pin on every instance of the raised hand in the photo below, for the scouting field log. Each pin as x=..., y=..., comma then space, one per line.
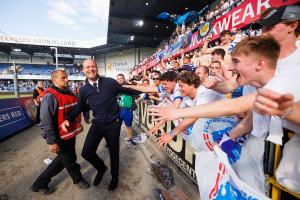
x=210, y=82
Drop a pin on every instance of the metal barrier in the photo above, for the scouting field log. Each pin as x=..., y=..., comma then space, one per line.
x=277, y=189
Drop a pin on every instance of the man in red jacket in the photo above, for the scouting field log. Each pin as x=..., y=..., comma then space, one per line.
x=58, y=101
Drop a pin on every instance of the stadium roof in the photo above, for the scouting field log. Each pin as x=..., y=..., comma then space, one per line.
x=124, y=15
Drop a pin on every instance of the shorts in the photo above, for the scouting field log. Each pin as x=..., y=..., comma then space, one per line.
x=126, y=115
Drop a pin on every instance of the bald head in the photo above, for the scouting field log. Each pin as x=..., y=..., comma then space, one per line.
x=59, y=78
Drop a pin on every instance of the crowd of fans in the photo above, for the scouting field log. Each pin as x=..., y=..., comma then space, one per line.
x=28, y=86
x=184, y=32
x=39, y=69
x=223, y=78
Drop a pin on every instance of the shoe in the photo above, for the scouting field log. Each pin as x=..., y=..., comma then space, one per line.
x=83, y=184
x=99, y=176
x=131, y=141
x=44, y=191
x=113, y=184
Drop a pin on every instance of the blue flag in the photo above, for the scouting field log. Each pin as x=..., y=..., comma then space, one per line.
x=163, y=15
x=181, y=19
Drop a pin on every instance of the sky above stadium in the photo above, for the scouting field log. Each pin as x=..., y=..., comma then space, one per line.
x=85, y=20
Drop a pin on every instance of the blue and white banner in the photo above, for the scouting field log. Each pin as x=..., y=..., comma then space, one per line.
x=15, y=115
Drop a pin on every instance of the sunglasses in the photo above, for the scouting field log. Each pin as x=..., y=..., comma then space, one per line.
x=155, y=79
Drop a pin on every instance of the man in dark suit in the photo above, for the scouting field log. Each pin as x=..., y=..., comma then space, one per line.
x=101, y=93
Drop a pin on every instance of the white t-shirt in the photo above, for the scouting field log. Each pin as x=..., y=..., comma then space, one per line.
x=286, y=80
x=248, y=89
x=298, y=44
x=204, y=96
x=258, y=119
x=224, y=7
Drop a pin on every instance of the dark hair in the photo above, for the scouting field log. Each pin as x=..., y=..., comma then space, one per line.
x=216, y=62
x=189, y=78
x=225, y=32
x=206, y=70
x=121, y=75
x=168, y=76
x=220, y=52
x=145, y=80
x=176, y=62
x=260, y=46
x=155, y=71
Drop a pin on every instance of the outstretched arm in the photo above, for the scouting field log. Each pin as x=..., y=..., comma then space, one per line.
x=243, y=127
x=214, y=109
x=142, y=88
x=165, y=138
x=81, y=104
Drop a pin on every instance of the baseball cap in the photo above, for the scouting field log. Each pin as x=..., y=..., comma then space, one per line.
x=276, y=15
x=187, y=68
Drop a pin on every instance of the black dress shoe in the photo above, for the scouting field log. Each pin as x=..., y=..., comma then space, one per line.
x=113, y=184
x=99, y=176
x=44, y=191
x=83, y=184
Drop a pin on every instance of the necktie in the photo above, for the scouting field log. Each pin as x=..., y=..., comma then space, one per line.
x=95, y=86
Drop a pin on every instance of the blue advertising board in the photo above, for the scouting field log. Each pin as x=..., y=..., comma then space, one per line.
x=15, y=115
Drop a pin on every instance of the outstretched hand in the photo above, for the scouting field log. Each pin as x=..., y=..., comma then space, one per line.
x=168, y=112
x=268, y=102
x=152, y=130
x=164, y=139
x=64, y=125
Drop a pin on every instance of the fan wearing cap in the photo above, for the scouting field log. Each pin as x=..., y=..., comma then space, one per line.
x=187, y=66
x=283, y=24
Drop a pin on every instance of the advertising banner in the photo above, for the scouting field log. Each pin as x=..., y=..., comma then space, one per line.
x=240, y=16
x=179, y=150
x=15, y=115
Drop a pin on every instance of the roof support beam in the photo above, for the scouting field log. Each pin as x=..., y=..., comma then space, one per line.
x=134, y=17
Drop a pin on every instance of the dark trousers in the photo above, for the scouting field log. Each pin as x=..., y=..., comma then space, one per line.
x=86, y=115
x=37, y=117
x=111, y=133
x=66, y=158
